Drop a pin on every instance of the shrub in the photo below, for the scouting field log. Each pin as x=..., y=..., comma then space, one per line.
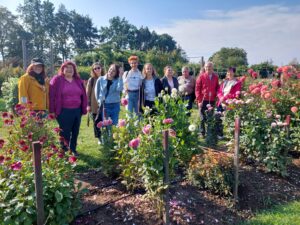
x=10, y=93
x=213, y=171
x=17, y=194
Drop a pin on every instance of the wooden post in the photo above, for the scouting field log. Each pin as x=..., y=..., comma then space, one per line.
x=287, y=126
x=166, y=214
x=236, y=158
x=36, y=146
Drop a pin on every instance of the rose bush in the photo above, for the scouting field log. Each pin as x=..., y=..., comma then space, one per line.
x=17, y=192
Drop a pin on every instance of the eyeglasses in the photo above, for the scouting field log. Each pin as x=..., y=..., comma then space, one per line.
x=97, y=68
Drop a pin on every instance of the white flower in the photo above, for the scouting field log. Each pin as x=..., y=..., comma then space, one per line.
x=174, y=90
x=166, y=98
x=249, y=100
x=273, y=124
x=174, y=95
x=147, y=110
x=192, y=127
x=277, y=116
x=208, y=105
x=181, y=88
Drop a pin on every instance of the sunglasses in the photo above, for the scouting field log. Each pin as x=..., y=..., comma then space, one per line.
x=97, y=68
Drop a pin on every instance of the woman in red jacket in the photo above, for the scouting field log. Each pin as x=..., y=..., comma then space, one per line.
x=229, y=89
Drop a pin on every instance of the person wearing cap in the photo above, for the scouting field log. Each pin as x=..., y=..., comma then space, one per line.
x=187, y=87
x=132, y=81
x=207, y=85
x=229, y=89
x=68, y=101
x=33, y=86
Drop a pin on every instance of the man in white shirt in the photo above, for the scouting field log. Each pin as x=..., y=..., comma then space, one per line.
x=132, y=80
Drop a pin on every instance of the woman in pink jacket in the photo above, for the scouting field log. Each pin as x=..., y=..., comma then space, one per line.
x=229, y=89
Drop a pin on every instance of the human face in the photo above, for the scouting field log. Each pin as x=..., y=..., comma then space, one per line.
x=149, y=70
x=111, y=73
x=230, y=74
x=169, y=72
x=133, y=64
x=97, y=70
x=185, y=72
x=69, y=71
x=37, y=69
x=209, y=68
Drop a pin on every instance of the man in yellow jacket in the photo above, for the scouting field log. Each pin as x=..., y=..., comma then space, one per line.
x=34, y=87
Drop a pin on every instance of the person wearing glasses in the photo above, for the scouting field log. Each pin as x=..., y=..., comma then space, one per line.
x=132, y=80
x=92, y=108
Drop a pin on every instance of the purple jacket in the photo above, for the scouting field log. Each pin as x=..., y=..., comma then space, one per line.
x=55, y=95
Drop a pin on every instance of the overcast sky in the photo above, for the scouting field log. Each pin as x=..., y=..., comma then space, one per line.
x=267, y=30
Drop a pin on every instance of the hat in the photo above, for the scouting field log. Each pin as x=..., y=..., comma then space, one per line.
x=37, y=61
x=233, y=69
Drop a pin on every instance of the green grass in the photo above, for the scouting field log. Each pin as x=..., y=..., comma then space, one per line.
x=2, y=105
x=288, y=214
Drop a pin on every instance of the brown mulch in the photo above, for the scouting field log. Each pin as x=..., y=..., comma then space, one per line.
x=189, y=205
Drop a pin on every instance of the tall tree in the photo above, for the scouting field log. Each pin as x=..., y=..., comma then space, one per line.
x=227, y=57
x=83, y=32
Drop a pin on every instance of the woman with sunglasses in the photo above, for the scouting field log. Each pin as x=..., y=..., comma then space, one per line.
x=92, y=108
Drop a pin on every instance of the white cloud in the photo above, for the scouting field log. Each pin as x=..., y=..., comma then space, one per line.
x=265, y=32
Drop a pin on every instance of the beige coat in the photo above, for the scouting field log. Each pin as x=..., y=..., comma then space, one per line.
x=90, y=90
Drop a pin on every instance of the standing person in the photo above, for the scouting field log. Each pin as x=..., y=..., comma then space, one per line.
x=187, y=86
x=68, y=101
x=151, y=86
x=229, y=89
x=132, y=80
x=207, y=85
x=169, y=81
x=96, y=72
x=108, y=93
x=33, y=86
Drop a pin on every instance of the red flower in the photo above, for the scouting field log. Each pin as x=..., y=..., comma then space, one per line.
x=1, y=143
x=279, y=70
x=294, y=109
x=61, y=154
x=29, y=136
x=100, y=124
x=275, y=83
x=16, y=166
x=22, y=142
x=1, y=159
x=25, y=148
x=250, y=71
x=168, y=121
x=5, y=115
x=57, y=130
x=254, y=75
x=274, y=100
x=42, y=139
x=51, y=116
x=7, y=159
x=8, y=122
x=32, y=114
x=72, y=159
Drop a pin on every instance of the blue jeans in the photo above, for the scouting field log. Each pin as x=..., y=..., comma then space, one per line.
x=133, y=101
x=112, y=110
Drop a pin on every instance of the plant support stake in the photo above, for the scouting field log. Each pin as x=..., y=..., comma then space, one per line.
x=166, y=215
x=36, y=146
x=237, y=126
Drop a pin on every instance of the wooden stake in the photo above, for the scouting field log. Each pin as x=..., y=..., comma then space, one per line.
x=166, y=214
x=236, y=158
x=36, y=146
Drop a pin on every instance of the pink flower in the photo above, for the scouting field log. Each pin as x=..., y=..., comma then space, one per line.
x=16, y=166
x=254, y=75
x=72, y=159
x=294, y=109
x=122, y=123
x=61, y=154
x=298, y=75
x=275, y=83
x=100, y=124
x=267, y=95
x=279, y=70
x=242, y=79
x=107, y=122
x=147, y=129
x=57, y=130
x=1, y=159
x=237, y=94
x=32, y=114
x=250, y=71
x=124, y=101
x=168, y=121
x=8, y=122
x=134, y=143
x=172, y=133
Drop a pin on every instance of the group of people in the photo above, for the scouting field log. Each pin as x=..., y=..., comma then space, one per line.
x=68, y=99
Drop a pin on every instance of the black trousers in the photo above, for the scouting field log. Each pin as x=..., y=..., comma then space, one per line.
x=69, y=121
x=203, y=116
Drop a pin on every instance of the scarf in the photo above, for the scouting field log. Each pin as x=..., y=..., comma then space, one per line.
x=39, y=77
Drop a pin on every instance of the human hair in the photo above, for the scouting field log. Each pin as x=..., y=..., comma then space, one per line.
x=144, y=70
x=233, y=69
x=133, y=57
x=67, y=63
x=208, y=63
x=93, y=74
x=185, y=67
x=117, y=68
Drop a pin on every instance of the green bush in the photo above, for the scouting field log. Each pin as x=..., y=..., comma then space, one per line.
x=6, y=73
x=17, y=193
x=213, y=171
x=2, y=105
x=84, y=72
x=10, y=93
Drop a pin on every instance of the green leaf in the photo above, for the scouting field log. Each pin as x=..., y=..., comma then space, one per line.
x=58, y=196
